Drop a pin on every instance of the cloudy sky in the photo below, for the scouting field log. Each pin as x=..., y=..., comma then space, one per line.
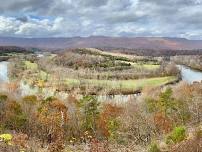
x=67, y=18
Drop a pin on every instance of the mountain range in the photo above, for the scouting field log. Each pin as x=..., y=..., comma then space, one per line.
x=153, y=43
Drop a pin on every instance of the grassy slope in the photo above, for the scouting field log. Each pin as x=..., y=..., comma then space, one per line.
x=148, y=66
x=123, y=84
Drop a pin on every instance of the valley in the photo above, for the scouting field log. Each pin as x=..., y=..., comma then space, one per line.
x=101, y=76
x=119, y=84
x=90, y=72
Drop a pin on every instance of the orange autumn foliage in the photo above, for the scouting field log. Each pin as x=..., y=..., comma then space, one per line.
x=109, y=112
x=52, y=117
x=162, y=122
x=20, y=139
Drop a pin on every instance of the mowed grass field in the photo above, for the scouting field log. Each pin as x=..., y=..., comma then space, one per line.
x=145, y=66
x=122, y=84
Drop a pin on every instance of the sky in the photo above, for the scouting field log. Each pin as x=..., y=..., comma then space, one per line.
x=129, y=18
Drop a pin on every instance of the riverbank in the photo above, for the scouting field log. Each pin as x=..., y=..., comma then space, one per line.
x=190, y=75
x=192, y=67
x=4, y=58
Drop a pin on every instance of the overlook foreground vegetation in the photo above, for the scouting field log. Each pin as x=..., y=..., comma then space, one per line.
x=90, y=100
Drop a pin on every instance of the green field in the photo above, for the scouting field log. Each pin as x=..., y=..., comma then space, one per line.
x=122, y=84
x=145, y=66
x=30, y=65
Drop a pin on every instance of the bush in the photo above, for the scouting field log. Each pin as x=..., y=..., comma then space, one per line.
x=153, y=148
x=6, y=137
x=90, y=106
x=177, y=135
x=3, y=98
x=14, y=118
x=198, y=133
x=151, y=105
x=108, y=122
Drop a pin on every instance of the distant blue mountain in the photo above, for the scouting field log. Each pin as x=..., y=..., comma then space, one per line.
x=104, y=42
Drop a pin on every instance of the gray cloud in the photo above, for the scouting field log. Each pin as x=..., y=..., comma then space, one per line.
x=92, y=3
x=37, y=18
x=22, y=19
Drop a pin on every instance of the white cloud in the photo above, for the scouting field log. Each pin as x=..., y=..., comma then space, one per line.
x=6, y=24
x=101, y=17
x=33, y=27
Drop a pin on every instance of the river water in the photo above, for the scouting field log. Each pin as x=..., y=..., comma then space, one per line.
x=4, y=71
x=189, y=75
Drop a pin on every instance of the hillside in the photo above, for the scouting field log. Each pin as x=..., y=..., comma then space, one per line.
x=153, y=43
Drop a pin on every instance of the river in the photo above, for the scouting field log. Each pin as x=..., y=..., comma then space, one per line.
x=4, y=71
x=190, y=75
